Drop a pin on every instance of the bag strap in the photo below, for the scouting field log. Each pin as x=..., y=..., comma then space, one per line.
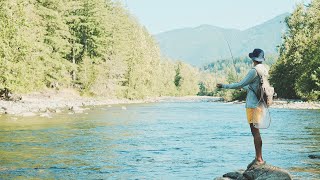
x=256, y=93
x=256, y=71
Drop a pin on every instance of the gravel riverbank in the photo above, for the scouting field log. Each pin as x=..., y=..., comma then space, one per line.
x=49, y=102
x=295, y=104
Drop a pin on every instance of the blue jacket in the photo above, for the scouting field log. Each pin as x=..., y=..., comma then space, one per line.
x=253, y=80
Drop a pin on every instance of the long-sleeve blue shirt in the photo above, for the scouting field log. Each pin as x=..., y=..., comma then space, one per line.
x=251, y=79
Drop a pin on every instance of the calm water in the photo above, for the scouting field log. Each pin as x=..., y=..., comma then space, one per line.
x=155, y=141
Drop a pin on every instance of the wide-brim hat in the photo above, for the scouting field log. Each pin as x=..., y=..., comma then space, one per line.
x=257, y=55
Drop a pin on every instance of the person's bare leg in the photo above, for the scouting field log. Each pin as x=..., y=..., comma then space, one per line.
x=257, y=142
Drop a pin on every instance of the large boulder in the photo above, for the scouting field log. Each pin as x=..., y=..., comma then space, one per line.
x=261, y=172
x=266, y=172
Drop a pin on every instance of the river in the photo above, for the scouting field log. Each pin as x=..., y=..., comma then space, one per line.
x=176, y=140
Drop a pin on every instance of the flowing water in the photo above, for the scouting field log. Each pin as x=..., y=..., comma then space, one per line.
x=199, y=140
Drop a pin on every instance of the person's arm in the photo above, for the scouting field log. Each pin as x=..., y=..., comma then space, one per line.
x=243, y=83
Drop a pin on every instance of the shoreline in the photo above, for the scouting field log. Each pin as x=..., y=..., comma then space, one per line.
x=289, y=104
x=46, y=103
x=295, y=104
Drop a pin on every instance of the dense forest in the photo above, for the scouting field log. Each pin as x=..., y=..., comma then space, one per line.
x=94, y=46
x=100, y=49
x=297, y=71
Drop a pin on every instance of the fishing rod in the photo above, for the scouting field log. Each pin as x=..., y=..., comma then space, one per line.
x=233, y=61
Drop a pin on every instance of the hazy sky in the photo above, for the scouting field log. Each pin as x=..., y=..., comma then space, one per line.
x=164, y=15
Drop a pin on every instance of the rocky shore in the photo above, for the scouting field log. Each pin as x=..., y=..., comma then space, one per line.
x=289, y=104
x=46, y=103
x=49, y=102
x=295, y=104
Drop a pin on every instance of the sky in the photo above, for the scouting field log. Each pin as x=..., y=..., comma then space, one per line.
x=164, y=15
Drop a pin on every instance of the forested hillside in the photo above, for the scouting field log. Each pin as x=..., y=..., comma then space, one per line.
x=206, y=43
x=94, y=46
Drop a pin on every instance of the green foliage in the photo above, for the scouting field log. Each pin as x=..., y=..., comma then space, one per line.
x=207, y=84
x=239, y=95
x=188, y=84
x=296, y=73
x=166, y=79
x=95, y=46
x=177, y=77
x=87, y=75
x=21, y=52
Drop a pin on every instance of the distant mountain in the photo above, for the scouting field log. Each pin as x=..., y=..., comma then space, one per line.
x=208, y=43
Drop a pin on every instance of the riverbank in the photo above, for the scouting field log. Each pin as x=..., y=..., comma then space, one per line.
x=68, y=100
x=289, y=104
x=45, y=103
x=295, y=104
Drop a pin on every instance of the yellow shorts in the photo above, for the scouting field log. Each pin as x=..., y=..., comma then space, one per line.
x=254, y=115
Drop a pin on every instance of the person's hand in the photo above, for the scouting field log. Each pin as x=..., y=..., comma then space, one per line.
x=219, y=85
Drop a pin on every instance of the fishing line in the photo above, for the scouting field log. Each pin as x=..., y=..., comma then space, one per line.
x=233, y=61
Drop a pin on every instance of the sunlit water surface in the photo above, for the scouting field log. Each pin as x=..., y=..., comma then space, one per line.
x=176, y=140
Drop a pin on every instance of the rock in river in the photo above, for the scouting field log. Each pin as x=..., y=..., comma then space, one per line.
x=262, y=172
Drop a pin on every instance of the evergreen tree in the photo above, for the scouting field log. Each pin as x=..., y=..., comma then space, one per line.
x=95, y=46
x=296, y=73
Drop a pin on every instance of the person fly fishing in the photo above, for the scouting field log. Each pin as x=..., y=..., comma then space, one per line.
x=251, y=84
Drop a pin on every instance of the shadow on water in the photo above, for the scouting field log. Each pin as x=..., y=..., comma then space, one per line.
x=154, y=141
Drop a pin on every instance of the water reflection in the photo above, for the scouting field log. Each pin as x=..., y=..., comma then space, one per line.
x=311, y=145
